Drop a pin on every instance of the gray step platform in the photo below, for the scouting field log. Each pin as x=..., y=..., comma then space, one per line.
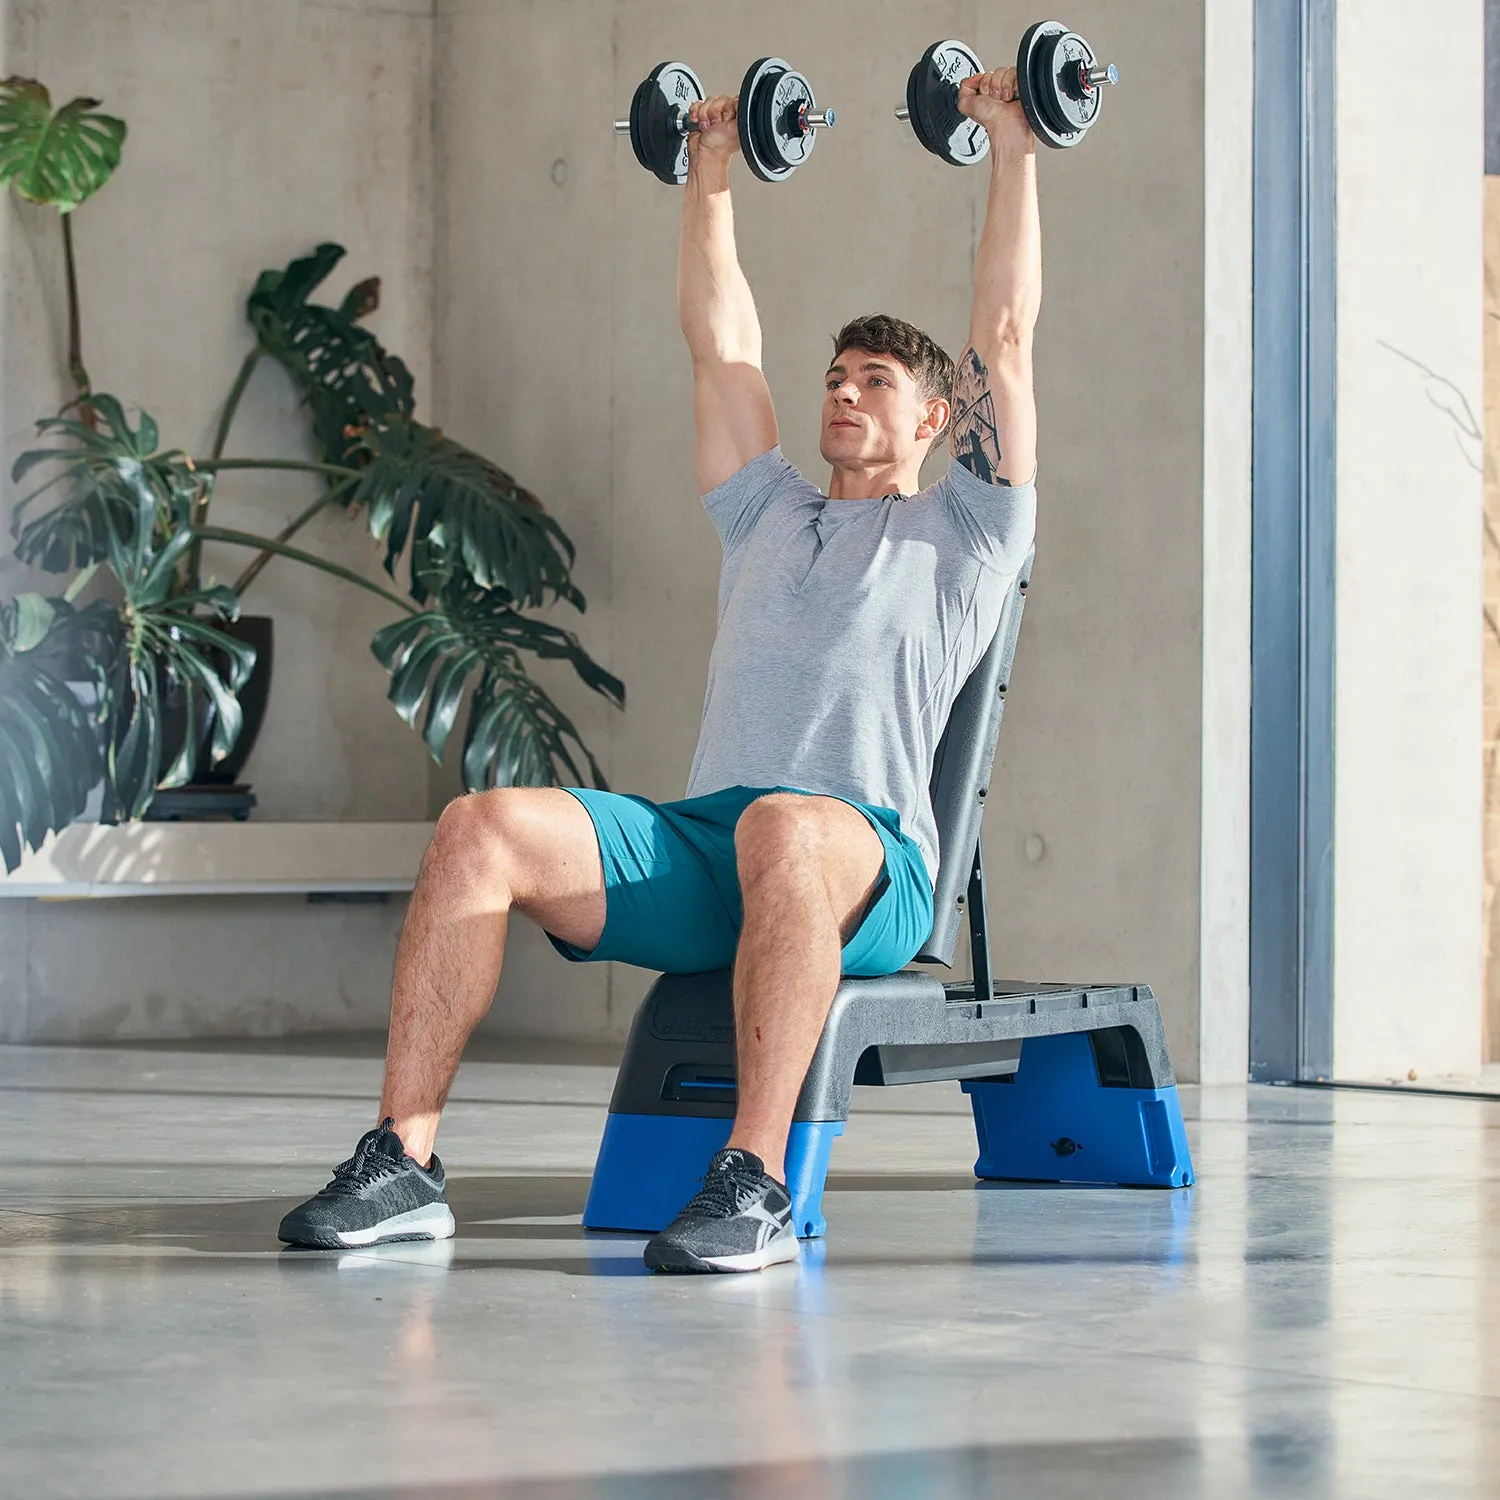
x=1068, y=1083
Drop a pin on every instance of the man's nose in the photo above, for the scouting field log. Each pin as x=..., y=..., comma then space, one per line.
x=847, y=393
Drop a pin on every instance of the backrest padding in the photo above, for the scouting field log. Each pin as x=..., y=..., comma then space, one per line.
x=961, y=772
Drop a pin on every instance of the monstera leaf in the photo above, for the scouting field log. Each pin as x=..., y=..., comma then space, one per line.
x=59, y=158
x=517, y=736
x=415, y=480
x=130, y=507
x=412, y=478
x=112, y=479
x=167, y=642
x=49, y=743
x=345, y=374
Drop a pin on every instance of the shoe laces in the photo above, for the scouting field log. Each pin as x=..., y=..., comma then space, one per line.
x=373, y=1160
x=731, y=1184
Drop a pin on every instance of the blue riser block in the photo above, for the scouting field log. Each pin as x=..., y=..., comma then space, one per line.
x=1133, y=1137
x=650, y=1165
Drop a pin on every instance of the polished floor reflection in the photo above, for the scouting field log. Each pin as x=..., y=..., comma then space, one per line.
x=1320, y=1316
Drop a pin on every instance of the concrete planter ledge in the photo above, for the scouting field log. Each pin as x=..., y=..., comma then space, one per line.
x=221, y=859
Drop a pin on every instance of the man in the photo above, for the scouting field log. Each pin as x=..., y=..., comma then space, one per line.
x=806, y=847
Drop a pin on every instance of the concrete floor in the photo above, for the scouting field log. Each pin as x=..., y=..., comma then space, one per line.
x=1319, y=1317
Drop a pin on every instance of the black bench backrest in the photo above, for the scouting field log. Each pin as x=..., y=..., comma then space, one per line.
x=961, y=772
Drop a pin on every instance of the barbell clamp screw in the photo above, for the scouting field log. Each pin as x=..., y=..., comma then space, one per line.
x=1102, y=73
x=622, y=127
x=901, y=114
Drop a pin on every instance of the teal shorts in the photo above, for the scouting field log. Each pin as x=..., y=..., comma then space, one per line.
x=672, y=887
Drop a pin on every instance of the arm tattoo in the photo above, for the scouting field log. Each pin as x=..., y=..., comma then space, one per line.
x=974, y=441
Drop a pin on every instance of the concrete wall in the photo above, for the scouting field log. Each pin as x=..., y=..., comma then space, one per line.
x=560, y=354
x=549, y=256
x=255, y=132
x=1408, y=805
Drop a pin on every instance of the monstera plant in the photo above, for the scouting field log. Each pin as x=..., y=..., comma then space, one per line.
x=84, y=689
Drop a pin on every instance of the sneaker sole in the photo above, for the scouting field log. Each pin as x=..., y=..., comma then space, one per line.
x=675, y=1258
x=432, y=1222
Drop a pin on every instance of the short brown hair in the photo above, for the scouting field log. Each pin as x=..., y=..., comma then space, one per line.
x=923, y=358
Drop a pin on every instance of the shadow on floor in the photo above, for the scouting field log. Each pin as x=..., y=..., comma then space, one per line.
x=1148, y=1229
x=1132, y=1469
x=249, y=1224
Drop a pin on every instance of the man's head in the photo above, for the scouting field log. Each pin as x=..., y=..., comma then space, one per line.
x=888, y=393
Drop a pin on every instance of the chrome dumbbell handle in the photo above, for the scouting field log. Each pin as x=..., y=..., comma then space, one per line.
x=818, y=119
x=684, y=125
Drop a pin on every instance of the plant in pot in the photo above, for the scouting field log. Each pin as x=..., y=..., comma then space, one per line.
x=142, y=688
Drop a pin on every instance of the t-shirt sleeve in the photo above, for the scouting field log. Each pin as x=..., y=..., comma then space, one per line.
x=996, y=522
x=739, y=502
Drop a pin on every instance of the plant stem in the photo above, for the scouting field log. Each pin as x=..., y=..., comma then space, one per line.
x=214, y=465
x=75, y=354
x=232, y=401
x=193, y=563
x=253, y=572
x=265, y=544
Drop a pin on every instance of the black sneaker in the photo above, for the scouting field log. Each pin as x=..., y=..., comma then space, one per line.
x=379, y=1194
x=741, y=1220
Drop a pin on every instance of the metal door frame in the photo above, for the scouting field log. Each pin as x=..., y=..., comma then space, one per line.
x=1293, y=490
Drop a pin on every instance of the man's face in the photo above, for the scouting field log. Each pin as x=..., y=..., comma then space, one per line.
x=873, y=412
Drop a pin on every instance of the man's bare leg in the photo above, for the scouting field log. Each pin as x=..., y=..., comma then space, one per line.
x=531, y=848
x=808, y=867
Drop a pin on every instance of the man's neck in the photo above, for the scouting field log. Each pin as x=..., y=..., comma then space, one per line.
x=875, y=481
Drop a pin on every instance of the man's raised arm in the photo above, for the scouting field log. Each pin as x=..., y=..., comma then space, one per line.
x=993, y=430
x=732, y=412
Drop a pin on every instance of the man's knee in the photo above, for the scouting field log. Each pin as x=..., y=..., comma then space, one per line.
x=480, y=835
x=780, y=829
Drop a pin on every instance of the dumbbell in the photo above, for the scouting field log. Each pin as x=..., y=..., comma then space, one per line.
x=778, y=119
x=1057, y=75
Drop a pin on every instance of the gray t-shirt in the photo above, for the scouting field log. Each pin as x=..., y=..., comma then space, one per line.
x=847, y=628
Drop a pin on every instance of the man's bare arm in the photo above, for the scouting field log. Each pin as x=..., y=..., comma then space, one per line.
x=733, y=418
x=993, y=432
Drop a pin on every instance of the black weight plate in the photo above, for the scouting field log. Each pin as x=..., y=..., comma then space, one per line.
x=964, y=141
x=932, y=104
x=1044, y=81
x=757, y=129
x=1036, y=82
x=763, y=121
x=1073, y=104
x=663, y=100
x=643, y=91
x=914, y=92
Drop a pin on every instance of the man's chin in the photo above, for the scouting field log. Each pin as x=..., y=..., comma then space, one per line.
x=841, y=446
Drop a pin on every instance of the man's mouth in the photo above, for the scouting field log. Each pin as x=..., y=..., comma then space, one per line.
x=842, y=422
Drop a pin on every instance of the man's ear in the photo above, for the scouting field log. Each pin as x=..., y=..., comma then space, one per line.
x=935, y=420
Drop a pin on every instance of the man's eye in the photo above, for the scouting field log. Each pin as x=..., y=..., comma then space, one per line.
x=876, y=380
